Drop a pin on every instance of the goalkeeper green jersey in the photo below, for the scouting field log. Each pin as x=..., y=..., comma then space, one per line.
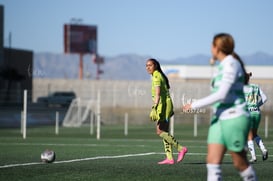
x=158, y=80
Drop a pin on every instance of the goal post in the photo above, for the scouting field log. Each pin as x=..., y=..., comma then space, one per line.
x=79, y=112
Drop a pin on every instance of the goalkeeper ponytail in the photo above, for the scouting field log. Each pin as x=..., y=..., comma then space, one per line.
x=158, y=68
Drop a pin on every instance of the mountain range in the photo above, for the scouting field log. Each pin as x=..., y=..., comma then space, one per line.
x=120, y=67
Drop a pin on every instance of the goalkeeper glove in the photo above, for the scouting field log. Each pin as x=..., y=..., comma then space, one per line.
x=153, y=115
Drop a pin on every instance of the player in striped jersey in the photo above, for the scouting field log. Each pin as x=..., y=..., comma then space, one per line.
x=230, y=122
x=255, y=98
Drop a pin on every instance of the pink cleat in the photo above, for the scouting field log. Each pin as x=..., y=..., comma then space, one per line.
x=166, y=162
x=182, y=154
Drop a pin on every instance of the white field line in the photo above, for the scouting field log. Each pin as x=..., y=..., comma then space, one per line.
x=83, y=145
x=91, y=158
x=58, y=144
x=78, y=160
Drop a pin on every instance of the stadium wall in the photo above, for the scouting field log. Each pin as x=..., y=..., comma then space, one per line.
x=123, y=93
x=134, y=97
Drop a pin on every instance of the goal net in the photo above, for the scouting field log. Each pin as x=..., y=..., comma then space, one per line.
x=79, y=111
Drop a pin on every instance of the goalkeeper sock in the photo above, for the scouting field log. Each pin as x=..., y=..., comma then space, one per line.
x=171, y=140
x=214, y=172
x=168, y=149
x=251, y=148
x=248, y=174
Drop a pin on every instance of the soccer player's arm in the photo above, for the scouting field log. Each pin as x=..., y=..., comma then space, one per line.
x=154, y=116
x=263, y=98
x=214, y=97
x=229, y=76
x=157, y=95
x=157, y=83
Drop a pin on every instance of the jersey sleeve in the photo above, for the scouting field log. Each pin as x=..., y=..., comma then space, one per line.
x=230, y=72
x=214, y=97
x=263, y=97
x=156, y=79
x=229, y=77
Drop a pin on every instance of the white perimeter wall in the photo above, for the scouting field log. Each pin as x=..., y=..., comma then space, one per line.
x=206, y=72
x=133, y=94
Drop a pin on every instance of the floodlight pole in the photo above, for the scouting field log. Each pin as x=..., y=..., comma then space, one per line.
x=98, y=71
x=81, y=66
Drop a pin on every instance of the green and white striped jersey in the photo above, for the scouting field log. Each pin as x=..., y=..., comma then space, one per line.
x=254, y=97
x=227, y=95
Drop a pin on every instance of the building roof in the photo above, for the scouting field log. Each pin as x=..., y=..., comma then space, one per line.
x=206, y=71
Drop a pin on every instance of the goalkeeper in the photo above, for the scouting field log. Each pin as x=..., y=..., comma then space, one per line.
x=162, y=110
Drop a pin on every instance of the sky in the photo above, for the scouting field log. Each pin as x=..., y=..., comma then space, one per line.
x=165, y=29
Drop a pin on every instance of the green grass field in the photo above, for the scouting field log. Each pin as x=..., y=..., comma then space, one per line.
x=80, y=156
